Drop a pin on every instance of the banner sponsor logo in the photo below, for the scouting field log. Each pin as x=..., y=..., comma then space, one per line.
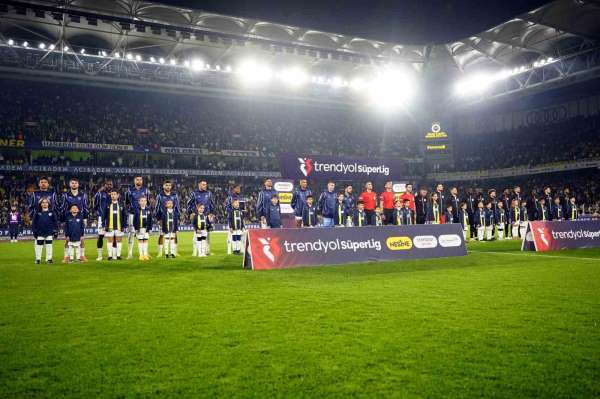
x=449, y=240
x=550, y=236
x=240, y=153
x=184, y=150
x=326, y=167
x=12, y=143
x=399, y=243
x=87, y=146
x=425, y=241
x=281, y=248
x=283, y=185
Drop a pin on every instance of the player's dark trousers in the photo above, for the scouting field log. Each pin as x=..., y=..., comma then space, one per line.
x=389, y=216
x=370, y=217
x=13, y=231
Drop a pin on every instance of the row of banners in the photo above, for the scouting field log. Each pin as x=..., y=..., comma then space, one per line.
x=284, y=248
x=553, y=236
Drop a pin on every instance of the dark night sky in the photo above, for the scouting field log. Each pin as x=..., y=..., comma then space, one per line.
x=401, y=21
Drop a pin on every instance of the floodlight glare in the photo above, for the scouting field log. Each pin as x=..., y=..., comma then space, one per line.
x=25, y=44
x=117, y=55
x=186, y=63
x=66, y=48
x=82, y=51
x=253, y=73
x=52, y=47
x=294, y=77
x=42, y=46
x=161, y=60
x=173, y=61
x=391, y=89
x=228, y=68
x=475, y=84
x=197, y=65
x=138, y=57
x=129, y=56
x=11, y=42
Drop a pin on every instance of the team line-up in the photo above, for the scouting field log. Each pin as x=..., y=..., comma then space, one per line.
x=132, y=216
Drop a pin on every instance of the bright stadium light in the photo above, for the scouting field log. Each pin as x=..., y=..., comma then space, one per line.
x=228, y=68
x=336, y=82
x=161, y=60
x=25, y=44
x=390, y=89
x=218, y=67
x=173, y=61
x=197, y=65
x=11, y=42
x=186, y=63
x=42, y=46
x=152, y=59
x=129, y=56
x=117, y=55
x=82, y=51
x=207, y=66
x=475, y=84
x=66, y=48
x=253, y=73
x=52, y=47
x=294, y=77
x=138, y=57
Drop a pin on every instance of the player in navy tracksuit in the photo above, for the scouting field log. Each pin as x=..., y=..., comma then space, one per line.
x=263, y=201
x=274, y=213
x=202, y=225
x=309, y=213
x=235, y=222
x=326, y=205
x=169, y=227
x=542, y=210
x=132, y=204
x=74, y=232
x=299, y=200
x=36, y=197
x=44, y=226
x=14, y=223
x=235, y=194
x=204, y=197
x=161, y=200
x=101, y=201
x=142, y=223
x=74, y=196
x=341, y=214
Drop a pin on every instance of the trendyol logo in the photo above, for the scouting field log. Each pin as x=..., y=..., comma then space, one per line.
x=331, y=246
x=270, y=248
x=306, y=166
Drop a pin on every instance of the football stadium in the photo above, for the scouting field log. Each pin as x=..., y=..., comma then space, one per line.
x=299, y=199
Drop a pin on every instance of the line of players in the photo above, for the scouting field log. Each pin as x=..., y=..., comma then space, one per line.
x=133, y=217
x=130, y=216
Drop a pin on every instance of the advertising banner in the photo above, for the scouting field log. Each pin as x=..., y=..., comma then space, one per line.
x=325, y=167
x=284, y=248
x=552, y=236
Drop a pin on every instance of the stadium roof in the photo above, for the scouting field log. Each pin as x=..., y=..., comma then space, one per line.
x=556, y=29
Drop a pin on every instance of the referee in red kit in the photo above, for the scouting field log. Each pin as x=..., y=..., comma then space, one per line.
x=386, y=202
x=369, y=198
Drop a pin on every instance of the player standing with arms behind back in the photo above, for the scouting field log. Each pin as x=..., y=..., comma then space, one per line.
x=101, y=201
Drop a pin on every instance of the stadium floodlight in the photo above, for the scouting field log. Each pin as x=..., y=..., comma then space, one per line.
x=550, y=60
x=82, y=51
x=161, y=60
x=42, y=46
x=103, y=53
x=336, y=82
x=294, y=77
x=536, y=64
x=117, y=55
x=186, y=63
x=218, y=67
x=25, y=44
x=197, y=65
x=173, y=61
x=129, y=56
x=228, y=68
x=152, y=59
x=207, y=66
x=252, y=73
x=66, y=48
x=138, y=57
x=391, y=89
x=11, y=42
x=52, y=47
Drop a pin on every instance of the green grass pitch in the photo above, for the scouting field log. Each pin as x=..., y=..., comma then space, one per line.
x=496, y=323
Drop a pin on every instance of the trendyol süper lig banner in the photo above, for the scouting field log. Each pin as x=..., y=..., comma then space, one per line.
x=324, y=167
x=283, y=248
x=552, y=236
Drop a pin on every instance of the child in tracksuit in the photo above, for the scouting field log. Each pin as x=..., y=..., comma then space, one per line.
x=142, y=223
x=514, y=218
x=378, y=217
x=359, y=219
x=202, y=225
x=500, y=220
x=489, y=221
x=309, y=213
x=170, y=226
x=463, y=216
x=273, y=216
x=114, y=223
x=44, y=224
x=448, y=215
x=341, y=217
x=235, y=220
x=14, y=223
x=480, y=221
x=74, y=231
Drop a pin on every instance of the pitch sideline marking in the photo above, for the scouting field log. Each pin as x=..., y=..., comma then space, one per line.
x=531, y=254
